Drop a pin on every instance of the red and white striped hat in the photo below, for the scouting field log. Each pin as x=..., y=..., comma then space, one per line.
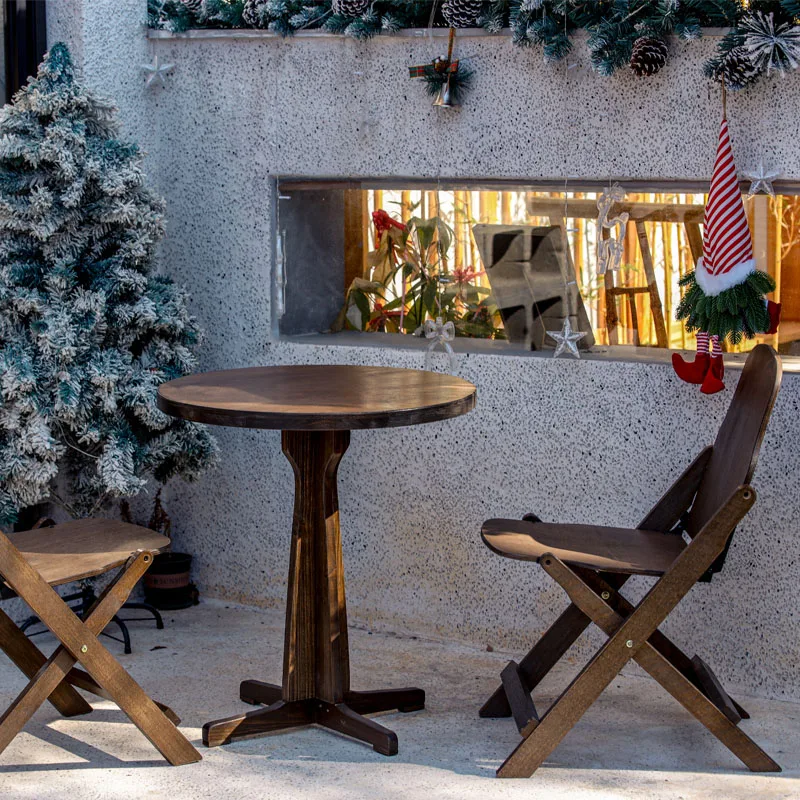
x=727, y=246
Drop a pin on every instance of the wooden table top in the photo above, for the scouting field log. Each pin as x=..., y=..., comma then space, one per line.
x=317, y=397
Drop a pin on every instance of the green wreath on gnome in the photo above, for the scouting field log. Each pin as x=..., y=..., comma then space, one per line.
x=725, y=297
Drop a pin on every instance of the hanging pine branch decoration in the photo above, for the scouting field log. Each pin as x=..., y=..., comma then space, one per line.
x=457, y=81
x=737, y=313
x=446, y=79
x=88, y=331
x=171, y=15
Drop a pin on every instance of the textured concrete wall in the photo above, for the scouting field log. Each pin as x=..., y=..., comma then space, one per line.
x=572, y=440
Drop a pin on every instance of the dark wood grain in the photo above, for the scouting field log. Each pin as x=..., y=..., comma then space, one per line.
x=279, y=716
x=315, y=655
x=82, y=680
x=285, y=715
x=736, y=448
x=342, y=719
x=547, y=652
x=29, y=660
x=315, y=397
x=519, y=699
x=626, y=637
x=666, y=513
x=714, y=690
x=316, y=660
x=626, y=550
x=591, y=563
x=55, y=669
x=316, y=407
x=372, y=702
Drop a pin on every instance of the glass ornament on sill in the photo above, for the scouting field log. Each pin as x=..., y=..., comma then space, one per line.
x=439, y=333
x=566, y=339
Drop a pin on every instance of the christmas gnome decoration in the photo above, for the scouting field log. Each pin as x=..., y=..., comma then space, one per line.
x=725, y=293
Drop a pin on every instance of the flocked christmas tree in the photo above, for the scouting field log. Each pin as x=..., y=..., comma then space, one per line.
x=87, y=330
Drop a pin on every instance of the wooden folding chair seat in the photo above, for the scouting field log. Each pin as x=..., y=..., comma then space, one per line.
x=683, y=540
x=31, y=563
x=633, y=552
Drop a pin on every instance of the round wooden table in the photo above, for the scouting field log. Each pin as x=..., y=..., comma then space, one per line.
x=316, y=407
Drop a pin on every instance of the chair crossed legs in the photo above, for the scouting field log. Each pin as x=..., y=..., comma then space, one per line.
x=683, y=540
x=33, y=560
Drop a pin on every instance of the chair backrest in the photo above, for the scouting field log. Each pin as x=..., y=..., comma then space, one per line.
x=733, y=460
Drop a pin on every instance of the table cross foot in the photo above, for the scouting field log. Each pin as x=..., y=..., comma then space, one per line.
x=343, y=719
x=277, y=717
x=346, y=717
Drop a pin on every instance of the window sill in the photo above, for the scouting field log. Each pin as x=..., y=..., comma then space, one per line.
x=623, y=353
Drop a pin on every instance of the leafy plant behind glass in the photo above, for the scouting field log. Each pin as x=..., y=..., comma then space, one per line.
x=411, y=281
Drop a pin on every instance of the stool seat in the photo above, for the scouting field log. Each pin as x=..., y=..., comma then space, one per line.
x=83, y=548
x=31, y=563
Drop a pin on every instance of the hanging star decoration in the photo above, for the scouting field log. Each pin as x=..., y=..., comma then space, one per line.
x=761, y=180
x=567, y=339
x=157, y=71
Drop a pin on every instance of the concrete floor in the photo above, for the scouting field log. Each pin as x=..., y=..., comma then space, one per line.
x=636, y=742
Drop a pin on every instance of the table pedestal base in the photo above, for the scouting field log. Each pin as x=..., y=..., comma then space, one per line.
x=316, y=660
x=345, y=717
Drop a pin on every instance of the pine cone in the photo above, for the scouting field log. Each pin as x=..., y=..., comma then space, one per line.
x=350, y=8
x=252, y=13
x=462, y=13
x=649, y=54
x=195, y=6
x=736, y=69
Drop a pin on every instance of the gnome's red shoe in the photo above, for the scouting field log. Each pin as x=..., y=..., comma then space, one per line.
x=774, y=311
x=691, y=371
x=713, y=380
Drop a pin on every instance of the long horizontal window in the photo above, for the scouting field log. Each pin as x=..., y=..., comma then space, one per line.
x=508, y=263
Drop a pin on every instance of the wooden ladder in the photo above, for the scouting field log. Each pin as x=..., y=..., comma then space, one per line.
x=630, y=292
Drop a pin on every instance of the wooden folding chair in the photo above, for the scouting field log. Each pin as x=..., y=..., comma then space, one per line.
x=34, y=561
x=683, y=540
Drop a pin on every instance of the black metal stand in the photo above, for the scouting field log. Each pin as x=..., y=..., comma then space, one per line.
x=84, y=600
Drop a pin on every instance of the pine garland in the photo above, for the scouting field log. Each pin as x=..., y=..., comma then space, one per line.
x=764, y=33
x=737, y=313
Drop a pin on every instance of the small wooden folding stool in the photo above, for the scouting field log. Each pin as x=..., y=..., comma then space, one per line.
x=31, y=563
x=683, y=540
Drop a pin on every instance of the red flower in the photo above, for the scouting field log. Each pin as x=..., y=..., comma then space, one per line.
x=465, y=276
x=383, y=316
x=383, y=222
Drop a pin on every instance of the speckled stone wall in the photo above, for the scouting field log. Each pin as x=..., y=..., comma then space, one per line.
x=587, y=440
